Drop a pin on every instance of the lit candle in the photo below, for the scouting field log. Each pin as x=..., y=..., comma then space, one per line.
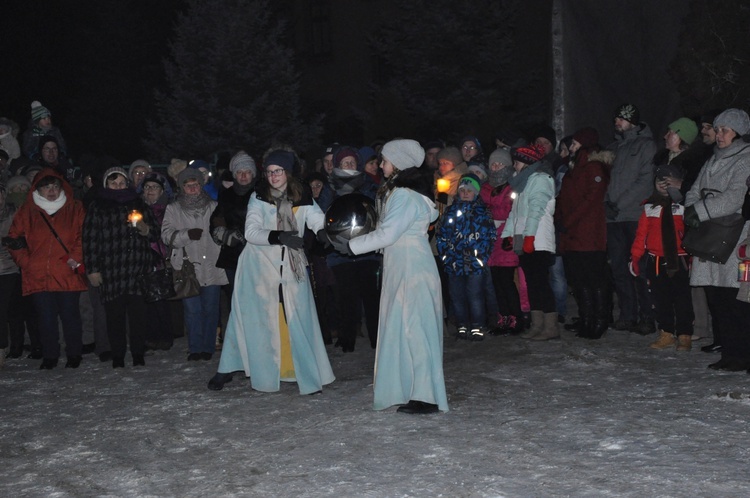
x=134, y=217
x=443, y=185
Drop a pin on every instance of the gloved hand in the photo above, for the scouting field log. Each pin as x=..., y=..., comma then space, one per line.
x=142, y=228
x=219, y=234
x=341, y=245
x=507, y=244
x=611, y=210
x=15, y=244
x=195, y=233
x=690, y=217
x=634, y=267
x=235, y=238
x=528, y=244
x=322, y=237
x=290, y=239
x=95, y=279
x=442, y=198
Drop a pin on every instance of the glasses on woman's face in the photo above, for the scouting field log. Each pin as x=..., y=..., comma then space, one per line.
x=152, y=186
x=316, y=186
x=275, y=172
x=191, y=186
x=469, y=147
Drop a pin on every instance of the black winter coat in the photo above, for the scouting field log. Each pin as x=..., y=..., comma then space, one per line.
x=112, y=247
x=230, y=213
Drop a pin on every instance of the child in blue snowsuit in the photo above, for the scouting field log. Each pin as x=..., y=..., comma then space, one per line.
x=465, y=236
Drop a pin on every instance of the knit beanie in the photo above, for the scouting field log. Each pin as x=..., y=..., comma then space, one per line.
x=736, y=119
x=628, y=112
x=469, y=181
x=190, y=174
x=528, y=154
x=112, y=171
x=15, y=181
x=587, y=137
x=547, y=133
x=38, y=111
x=364, y=155
x=280, y=157
x=342, y=153
x=685, y=128
x=475, y=140
x=501, y=156
x=46, y=139
x=451, y=154
x=404, y=153
x=139, y=162
x=175, y=167
x=242, y=161
x=477, y=169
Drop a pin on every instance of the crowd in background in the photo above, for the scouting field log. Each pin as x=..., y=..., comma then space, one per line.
x=519, y=226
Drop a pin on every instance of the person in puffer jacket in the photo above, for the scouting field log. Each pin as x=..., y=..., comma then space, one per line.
x=659, y=240
x=464, y=242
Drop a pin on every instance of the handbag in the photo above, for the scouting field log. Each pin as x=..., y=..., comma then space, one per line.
x=715, y=239
x=157, y=285
x=184, y=280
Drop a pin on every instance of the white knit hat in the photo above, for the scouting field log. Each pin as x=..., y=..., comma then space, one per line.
x=241, y=161
x=403, y=153
x=736, y=119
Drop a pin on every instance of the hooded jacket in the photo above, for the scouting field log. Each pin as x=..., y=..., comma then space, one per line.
x=43, y=262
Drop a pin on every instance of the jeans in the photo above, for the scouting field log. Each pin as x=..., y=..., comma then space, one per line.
x=50, y=305
x=632, y=292
x=536, y=269
x=201, y=317
x=467, y=299
x=559, y=285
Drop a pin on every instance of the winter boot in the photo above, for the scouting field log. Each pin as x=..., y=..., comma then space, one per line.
x=602, y=311
x=217, y=381
x=684, y=342
x=462, y=333
x=586, y=312
x=476, y=334
x=550, y=329
x=501, y=328
x=537, y=324
x=665, y=340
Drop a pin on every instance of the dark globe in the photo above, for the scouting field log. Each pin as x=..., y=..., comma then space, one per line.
x=350, y=216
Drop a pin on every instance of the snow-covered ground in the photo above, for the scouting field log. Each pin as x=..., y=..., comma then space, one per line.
x=563, y=418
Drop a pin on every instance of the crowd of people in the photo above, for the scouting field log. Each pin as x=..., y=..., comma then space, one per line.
x=489, y=241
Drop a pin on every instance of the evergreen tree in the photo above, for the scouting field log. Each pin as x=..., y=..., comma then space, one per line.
x=232, y=84
x=712, y=65
x=450, y=64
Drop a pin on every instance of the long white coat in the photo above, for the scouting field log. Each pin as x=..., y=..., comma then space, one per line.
x=725, y=172
x=252, y=341
x=409, y=355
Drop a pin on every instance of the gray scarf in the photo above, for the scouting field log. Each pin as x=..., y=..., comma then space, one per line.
x=286, y=221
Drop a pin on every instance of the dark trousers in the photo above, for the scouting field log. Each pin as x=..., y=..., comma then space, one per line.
x=632, y=292
x=7, y=286
x=672, y=297
x=467, y=300
x=536, y=270
x=101, y=337
x=586, y=269
x=50, y=305
x=506, y=291
x=356, y=288
x=731, y=322
x=126, y=313
x=159, y=322
x=22, y=318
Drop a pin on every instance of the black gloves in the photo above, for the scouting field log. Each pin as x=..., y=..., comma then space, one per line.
x=342, y=246
x=323, y=237
x=288, y=238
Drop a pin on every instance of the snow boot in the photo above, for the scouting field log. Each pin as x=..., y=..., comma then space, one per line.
x=550, y=329
x=462, y=333
x=501, y=327
x=217, y=381
x=665, y=340
x=585, y=298
x=684, y=342
x=476, y=334
x=537, y=324
x=602, y=310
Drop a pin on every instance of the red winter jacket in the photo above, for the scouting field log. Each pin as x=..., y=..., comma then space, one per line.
x=648, y=235
x=43, y=263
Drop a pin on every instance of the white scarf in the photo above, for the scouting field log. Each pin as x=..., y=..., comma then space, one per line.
x=50, y=207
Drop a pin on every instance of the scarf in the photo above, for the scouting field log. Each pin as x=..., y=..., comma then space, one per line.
x=49, y=207
x=122, y=196
x=194, y=205
x=500, y=177
x=241, y=190
x=286, y=221
x=518, y=182
x=668, y=238
x=346, y=181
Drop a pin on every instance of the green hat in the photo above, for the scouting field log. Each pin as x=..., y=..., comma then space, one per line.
x=685, y=128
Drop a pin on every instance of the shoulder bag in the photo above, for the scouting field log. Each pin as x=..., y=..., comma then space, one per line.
x=715, y=239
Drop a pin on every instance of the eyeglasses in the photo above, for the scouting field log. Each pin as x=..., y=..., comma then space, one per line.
x=49, y=149
x=469, y=147
x=191, y=186
x=152, y=187
x=140, y=172
x=316, y=185
x=275, y=172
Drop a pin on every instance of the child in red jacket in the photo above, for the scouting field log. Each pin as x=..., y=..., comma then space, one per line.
x=659, y=241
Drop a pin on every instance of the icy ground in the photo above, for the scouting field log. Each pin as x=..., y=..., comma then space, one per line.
x=563, y=418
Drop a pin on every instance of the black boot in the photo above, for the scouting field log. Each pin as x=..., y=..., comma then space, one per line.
x=118, y=362
x=601, y=312
x=139, y=360
x=48, y=364
x=417, y=407
x=585, y=298
x=73, y=362
x=217, y=381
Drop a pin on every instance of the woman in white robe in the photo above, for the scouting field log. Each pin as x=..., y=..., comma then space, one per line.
x=273, y=333
x=409, y=354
